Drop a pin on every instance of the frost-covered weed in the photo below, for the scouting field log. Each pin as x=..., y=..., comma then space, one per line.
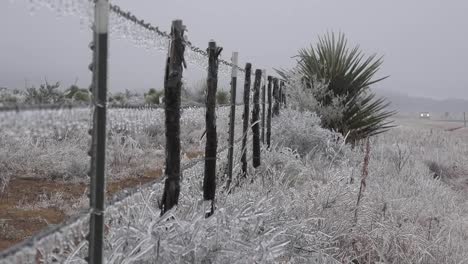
x=307, y=96
x=302, y=132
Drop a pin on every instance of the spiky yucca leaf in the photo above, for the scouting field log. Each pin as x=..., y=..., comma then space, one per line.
x=348, y=74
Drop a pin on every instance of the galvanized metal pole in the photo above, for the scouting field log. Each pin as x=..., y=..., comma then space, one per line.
x=268, y=133
x=172, y=91
x=245, y=116
x=98, y=148
x=256, y=119
x=263, y=105
x=232, y=117
x=209, y=181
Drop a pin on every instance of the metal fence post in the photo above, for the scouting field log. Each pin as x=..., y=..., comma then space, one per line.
x=172, y=91
x=209, y=181
x=232, y=118
x=256, y=119
x=268, y=133
x=98, y=147
x=245, y=116
x=263, y=105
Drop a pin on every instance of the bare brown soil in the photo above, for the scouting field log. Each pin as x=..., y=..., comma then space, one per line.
x=17, y=224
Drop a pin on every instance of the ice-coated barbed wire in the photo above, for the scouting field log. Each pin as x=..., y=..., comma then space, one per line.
x=129, y=16
x=152, y=38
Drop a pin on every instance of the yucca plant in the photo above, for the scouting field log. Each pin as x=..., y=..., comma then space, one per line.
x=348, y=74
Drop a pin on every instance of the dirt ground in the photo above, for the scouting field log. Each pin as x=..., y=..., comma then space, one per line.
x=21, y=217
x=17, y=223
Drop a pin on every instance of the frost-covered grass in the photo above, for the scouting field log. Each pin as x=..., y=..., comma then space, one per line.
x=299, y=206
x=53, y=144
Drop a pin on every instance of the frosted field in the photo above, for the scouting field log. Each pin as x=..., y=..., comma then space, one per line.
x=44, y=160
x=301, y=205
x=55, y=143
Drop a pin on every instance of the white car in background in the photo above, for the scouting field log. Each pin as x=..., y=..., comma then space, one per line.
x=425, y=115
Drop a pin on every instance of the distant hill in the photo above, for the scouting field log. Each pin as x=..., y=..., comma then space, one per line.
x=409, y=104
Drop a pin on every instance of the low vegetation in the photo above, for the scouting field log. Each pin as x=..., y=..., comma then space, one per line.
x=301, y=205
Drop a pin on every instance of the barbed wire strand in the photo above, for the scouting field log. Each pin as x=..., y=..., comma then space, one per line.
x=129, y=16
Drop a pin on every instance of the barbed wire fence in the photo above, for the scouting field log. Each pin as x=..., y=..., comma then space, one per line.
x=87, y=228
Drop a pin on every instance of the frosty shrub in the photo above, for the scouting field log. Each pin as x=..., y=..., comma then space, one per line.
x=222, y=97
x=303, y=98
x=196, y=92
x=8, y=97
x=302, y=132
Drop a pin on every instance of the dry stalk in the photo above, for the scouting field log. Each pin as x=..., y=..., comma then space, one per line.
x=365, y=173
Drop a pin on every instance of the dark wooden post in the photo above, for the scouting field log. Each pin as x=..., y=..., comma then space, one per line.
x=282, y=94
x=172, y=89
x=98, y=145
x=245, y=116
x=268, y=133
x=209, y=181
x=276, y=97
x=232, y=118
x=263, y=105
x=256, y=119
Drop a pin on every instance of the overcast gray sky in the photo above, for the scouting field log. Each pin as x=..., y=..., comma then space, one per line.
x=424, y=42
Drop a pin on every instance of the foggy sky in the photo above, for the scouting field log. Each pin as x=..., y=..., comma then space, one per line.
x=424, y=42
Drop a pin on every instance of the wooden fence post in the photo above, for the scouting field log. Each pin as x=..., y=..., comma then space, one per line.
x=263, y=105
x=280, y=94
x=256, y=119
x=98, y=145
x=245, y=117
x=283, y=94
x=232, y=118
x=276, y=97
x=209, y=181
x=268, y=133
x=172, y=90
